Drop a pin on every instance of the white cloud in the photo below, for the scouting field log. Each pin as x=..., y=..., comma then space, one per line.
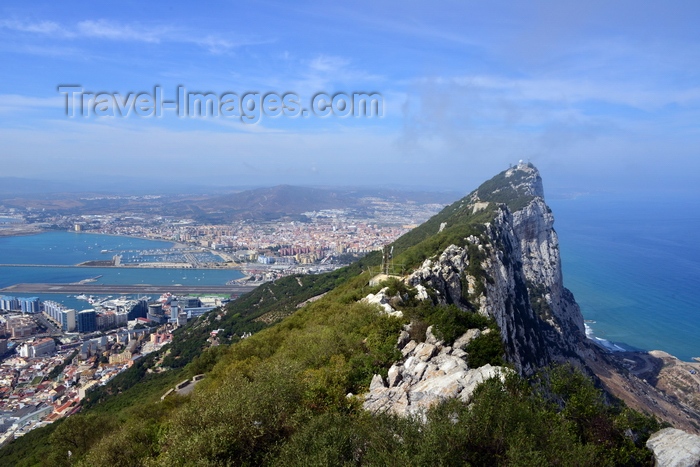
x=41, y=27
x=104, y=29
x=328, y=64
x=127, y=32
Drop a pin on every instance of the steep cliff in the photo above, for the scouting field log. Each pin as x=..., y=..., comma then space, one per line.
x=511, y=271
x=495, y=252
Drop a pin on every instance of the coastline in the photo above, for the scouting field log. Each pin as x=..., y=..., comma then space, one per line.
x=175, y=244
x=5, y=234
x=611, y=347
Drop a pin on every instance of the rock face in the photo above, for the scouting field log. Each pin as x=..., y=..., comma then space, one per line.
x=430, y=373
x=512, y=272
x=675, y=448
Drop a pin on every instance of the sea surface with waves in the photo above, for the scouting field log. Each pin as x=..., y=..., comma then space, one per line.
x=633, y=264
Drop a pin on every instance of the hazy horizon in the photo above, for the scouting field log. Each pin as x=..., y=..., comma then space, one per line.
x=598, y=96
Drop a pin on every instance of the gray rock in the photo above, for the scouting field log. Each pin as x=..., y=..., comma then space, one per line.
x=430, y=338
x=427, y=377
x=518, y=247
x=675, y=448
x=425, y=351
x=404, y=338
x=381, y=299
x=377, y=383
x=466, y=338
x=394, y=376
x=422, y=292
x=408, y=348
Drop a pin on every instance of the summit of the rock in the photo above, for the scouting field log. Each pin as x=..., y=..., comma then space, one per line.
x=515, y=187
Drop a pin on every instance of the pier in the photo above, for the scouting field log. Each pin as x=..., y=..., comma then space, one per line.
x=130, y=289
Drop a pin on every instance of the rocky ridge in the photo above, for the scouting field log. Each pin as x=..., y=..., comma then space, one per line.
x=500, y=273
x=513, y=273
x=510, y=271
x=430, y=372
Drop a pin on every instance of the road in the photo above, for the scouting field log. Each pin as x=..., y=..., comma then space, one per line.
x=131, y=289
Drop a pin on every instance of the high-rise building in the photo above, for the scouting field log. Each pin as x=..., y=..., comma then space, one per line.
x=8, y=303
x=64, y=317
x=174, y=311
x=87, y=321
x=68, y=320
x=29, y=305
x=139, y=309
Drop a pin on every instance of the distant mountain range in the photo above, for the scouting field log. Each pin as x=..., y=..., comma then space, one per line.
x=250, y=204
x=285, y=200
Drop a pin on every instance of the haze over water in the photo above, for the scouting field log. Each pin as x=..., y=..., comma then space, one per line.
x=634, y=268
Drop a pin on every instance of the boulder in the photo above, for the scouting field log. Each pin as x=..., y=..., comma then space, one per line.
x=675, y=448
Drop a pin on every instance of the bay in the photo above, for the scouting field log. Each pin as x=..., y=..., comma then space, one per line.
x=60, y=251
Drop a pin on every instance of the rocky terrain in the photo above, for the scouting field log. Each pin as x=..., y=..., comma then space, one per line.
x=476, y=295
x=512, y=272
x=430, y=372
x=675, y=448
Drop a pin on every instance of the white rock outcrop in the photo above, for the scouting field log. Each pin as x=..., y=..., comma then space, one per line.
x=430, y=373
x=675, y=448
x=382, y=300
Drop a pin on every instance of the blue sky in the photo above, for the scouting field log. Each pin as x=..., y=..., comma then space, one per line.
x=599, y=95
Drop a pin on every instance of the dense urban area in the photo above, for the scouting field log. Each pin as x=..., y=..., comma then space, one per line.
x=53, y=355
x=320, y=239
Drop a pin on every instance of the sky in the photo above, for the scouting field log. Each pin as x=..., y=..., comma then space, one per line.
x=599, y=95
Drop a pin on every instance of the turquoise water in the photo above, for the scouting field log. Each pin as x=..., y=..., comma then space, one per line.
x=633, y=265
x=67, y=249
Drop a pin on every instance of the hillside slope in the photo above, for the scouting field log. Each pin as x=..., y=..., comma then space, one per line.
x=467, y=352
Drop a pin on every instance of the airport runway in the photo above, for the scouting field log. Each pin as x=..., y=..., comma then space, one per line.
x=102, y=289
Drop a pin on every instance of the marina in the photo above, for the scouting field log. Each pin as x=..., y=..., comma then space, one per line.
x=101, y=289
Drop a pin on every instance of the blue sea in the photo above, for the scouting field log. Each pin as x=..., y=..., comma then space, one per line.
x=633, y=264
x=61, y=249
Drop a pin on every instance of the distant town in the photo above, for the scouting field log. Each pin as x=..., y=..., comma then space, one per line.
x=264, y=250
x=52, y=355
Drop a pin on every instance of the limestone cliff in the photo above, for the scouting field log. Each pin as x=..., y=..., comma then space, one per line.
x=501, y=260
x=512, y=272
x=495, y=252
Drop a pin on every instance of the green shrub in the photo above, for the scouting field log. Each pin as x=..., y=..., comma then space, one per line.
x=487, y=348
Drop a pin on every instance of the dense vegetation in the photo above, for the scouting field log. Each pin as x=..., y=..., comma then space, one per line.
x=288, y=395
x=280, y=398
